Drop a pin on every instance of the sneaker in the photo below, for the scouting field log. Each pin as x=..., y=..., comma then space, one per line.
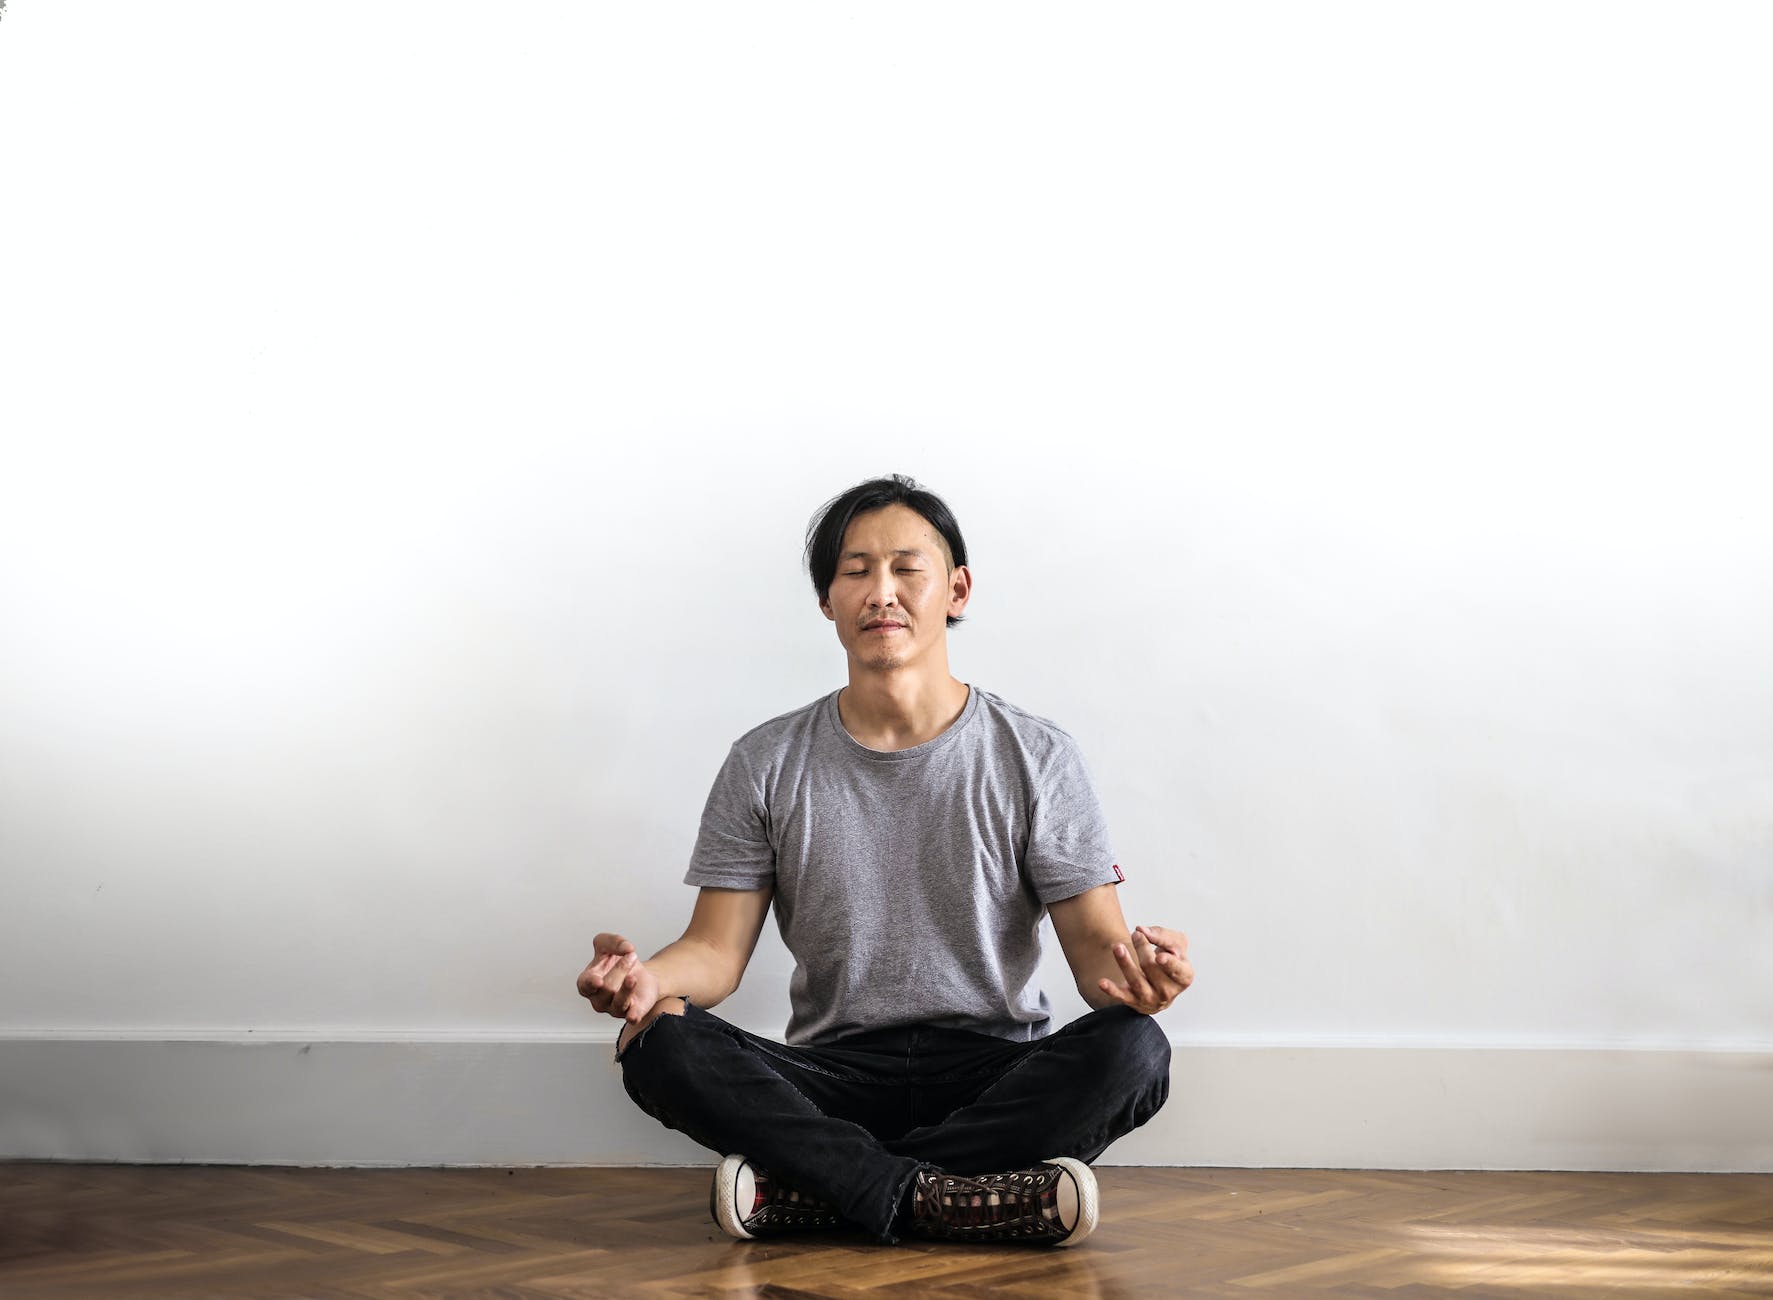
x=1053, y=1203
x=746, y=1202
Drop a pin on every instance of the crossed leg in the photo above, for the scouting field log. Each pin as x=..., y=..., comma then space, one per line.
x=796, y=1111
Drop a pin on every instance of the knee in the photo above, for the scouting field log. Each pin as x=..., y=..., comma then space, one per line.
x=1142, y=1050
x=661, y=1009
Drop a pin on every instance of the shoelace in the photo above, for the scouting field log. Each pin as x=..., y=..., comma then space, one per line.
x=1021, y=1203
x=776, y=1205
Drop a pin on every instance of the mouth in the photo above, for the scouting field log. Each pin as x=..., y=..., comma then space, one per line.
x=884, y=627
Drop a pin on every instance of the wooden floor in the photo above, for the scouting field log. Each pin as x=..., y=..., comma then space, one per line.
x=196, y=1230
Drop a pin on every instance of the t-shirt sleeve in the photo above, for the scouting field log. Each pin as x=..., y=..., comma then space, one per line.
x=733, y=849
x=1068, y=846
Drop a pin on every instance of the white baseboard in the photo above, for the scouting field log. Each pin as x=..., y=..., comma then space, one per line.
x=559, y=1101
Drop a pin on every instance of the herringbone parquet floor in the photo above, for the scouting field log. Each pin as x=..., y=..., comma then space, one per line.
x=71, y=1230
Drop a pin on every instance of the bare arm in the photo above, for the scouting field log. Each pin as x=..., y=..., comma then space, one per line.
x=1152, y=961
x=704, y=966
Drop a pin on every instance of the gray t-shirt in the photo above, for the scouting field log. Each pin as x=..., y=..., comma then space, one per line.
x=909, y=885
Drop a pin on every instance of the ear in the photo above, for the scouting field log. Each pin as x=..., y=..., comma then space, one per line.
x=960, y=589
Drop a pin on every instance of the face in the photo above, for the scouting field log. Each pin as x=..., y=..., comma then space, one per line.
x=892, y=570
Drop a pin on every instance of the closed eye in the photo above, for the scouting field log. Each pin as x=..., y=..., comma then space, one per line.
x=862, y=573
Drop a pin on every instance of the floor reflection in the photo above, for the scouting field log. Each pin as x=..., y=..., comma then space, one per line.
x=1526, y=1256
x=1083, y=1273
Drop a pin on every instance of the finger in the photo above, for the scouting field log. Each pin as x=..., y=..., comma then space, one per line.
x=638, y=1006
x=1174, y=967
x=1165, y=989
x=1116, y=992
x=1165, y=939
x=1144, y=951
x=1150, y=959
x=1129, y=964
x=1168, y=940
x=1136, y=983
x=614, y=960
x=625, y=994
x=1175, y=988
x=619, y=972
x=611, y=943
x=638, y=977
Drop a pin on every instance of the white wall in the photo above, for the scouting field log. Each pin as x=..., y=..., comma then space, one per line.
x=1358, y=417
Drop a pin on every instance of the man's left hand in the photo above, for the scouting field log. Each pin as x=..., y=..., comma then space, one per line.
x=1156, y=967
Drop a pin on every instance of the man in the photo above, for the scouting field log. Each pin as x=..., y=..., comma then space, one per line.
x=910, y=830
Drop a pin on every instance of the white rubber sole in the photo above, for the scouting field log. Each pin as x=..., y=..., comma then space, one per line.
x=727, y=1197
x=1088, y=1202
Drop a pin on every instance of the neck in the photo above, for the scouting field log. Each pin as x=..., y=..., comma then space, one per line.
x=896, y=711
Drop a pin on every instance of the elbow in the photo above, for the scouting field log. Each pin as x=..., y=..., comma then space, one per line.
x=1093, y=996
x=725, y=984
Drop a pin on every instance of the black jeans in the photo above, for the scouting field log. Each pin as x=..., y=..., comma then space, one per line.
x=851, y=1122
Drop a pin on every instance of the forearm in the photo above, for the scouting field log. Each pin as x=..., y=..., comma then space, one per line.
x=695, y=970
x=1145, y=969
x=1096, y=964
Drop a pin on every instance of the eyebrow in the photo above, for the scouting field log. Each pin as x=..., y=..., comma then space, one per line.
x=863, y=555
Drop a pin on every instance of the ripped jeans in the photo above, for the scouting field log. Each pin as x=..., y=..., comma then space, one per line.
x=852, y=1121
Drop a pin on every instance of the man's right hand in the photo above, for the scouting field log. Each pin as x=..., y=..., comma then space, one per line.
x=617, y=982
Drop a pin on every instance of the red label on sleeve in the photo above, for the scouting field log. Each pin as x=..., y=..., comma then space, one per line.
x=1119, y=874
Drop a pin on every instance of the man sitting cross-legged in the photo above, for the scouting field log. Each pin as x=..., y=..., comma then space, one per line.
x=910, y=831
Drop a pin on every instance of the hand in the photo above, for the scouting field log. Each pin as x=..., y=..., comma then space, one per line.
x=1157, y=970
x=617, y=982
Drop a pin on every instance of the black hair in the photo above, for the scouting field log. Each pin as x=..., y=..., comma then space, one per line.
x=824, y=536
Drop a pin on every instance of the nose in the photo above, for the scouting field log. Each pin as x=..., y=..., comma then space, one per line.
x=883, y=595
